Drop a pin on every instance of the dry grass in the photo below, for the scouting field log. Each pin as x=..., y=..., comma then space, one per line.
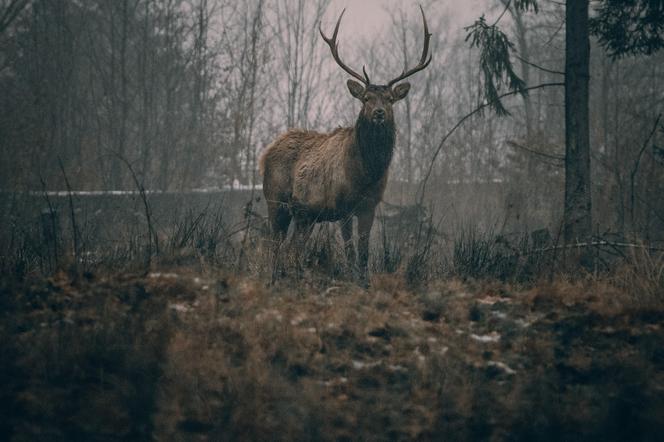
x=473, y=339
x=192, y=355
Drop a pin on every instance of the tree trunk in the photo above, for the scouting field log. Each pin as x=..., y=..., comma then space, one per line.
x=577, y=212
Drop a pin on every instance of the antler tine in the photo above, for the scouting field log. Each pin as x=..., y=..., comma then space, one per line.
x=424, y=62
x=364, y=71
x=334, y=48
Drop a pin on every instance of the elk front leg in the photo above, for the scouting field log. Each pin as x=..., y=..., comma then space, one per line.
x=303, y=230
x=347, y=234
x=364, y=222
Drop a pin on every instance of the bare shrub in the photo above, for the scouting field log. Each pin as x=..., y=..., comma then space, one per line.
x=641, y=275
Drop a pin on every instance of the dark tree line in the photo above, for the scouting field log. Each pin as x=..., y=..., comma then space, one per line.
x=95, y=83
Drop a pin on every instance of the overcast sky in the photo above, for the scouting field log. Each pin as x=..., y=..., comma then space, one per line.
x=367, y=17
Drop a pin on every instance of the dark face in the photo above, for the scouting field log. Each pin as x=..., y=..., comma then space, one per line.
x=377, y=101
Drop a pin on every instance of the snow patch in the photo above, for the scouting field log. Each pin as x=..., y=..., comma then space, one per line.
x=491, y=337
x=297, y=320
x=329, y=290
x=157, y=275
x=265, y=314
x=499, y=315
x=359, y=365
x=491, y=300
x=502, y=366
x=180, y=308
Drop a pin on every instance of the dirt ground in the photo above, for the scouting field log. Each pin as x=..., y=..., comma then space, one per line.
x=187, y=356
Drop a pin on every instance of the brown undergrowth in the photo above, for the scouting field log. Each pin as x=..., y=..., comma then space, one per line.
x=200, y=356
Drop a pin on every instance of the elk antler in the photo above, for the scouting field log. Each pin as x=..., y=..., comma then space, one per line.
x=423, y=59
x=334, y=48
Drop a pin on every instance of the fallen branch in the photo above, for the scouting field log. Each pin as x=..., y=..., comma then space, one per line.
x=593, y=244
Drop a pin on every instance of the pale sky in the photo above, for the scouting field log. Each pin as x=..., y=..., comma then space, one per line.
x=367, y=17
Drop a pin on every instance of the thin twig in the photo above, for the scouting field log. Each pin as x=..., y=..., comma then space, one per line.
x=635, y=169
x=562, y=23
x=582, y=245
x=507, y=7
x=52, y=219
x=530, y=63
x=536, y=152
x=72, y=213
x=148, y=212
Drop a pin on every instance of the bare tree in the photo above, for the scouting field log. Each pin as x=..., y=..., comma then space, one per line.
x=298, y=55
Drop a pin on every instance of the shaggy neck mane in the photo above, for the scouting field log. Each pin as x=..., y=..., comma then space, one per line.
x=376, y=144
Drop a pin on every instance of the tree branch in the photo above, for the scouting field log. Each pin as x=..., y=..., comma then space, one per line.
x=539, y=67
x=507, y=7
x=536, y=152
x=463, y=119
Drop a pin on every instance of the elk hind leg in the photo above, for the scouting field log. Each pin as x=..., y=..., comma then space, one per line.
x=347, y=235
x=279, y=218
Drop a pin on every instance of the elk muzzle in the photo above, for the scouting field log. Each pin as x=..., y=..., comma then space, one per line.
x=378, y=116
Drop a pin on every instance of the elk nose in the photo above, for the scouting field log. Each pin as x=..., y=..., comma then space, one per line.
x=379, y=113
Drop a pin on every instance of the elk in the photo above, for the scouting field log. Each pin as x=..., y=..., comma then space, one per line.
x=311, y=177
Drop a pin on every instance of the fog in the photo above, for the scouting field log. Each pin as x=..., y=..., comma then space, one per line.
x=367, y=19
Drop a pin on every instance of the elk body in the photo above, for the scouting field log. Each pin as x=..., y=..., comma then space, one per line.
x=311, y=177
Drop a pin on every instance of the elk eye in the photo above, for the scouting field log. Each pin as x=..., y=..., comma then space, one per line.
x=366, y=99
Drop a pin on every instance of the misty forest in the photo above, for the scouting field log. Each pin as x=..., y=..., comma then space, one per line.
x=332, y=220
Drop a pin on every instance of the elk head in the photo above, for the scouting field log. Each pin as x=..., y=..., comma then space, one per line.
x=377, y=100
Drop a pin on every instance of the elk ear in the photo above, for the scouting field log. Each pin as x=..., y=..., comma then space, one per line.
x=400, y=91
x=356, y=89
